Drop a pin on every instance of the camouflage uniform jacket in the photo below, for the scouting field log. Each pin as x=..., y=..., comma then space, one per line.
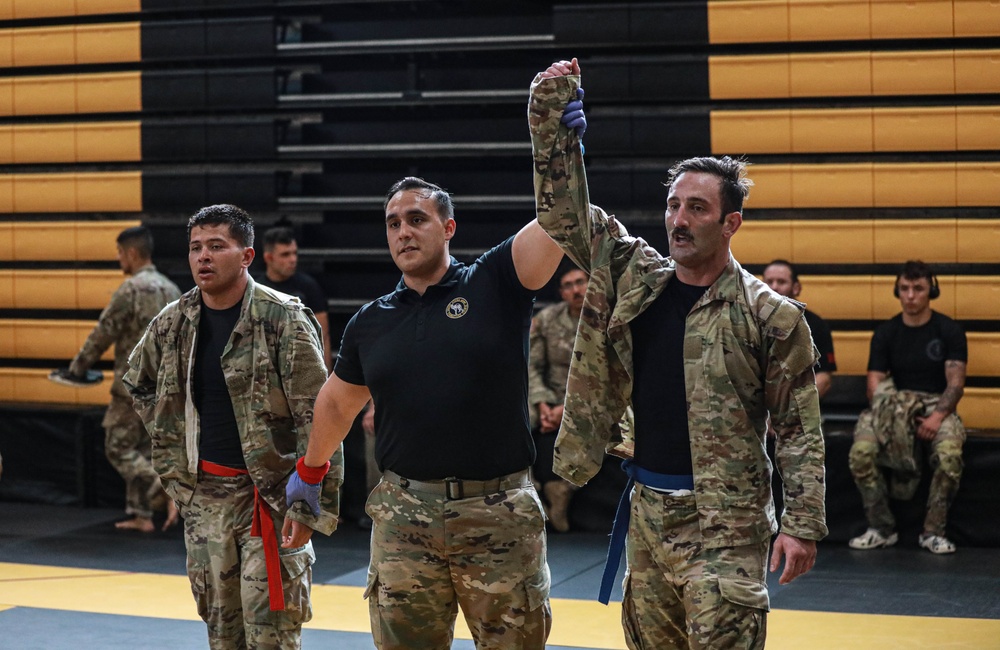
x=550, y=349
x=133, y=304
x=748, y=353
x=273, y=365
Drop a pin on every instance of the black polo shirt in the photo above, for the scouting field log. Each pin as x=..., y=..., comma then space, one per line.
x=448, y=372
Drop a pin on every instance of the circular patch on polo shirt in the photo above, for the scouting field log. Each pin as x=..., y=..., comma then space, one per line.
x=457, y=308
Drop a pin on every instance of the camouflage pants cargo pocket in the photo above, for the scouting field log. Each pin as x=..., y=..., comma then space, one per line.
x=430, y=556
x=679, y=594
x=228, y=573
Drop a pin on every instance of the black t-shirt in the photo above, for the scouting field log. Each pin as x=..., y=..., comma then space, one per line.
x=823, y=341
x=448, y=372
x=303, y=287
x=659, y=397
x=915, y=356
x=220, y=437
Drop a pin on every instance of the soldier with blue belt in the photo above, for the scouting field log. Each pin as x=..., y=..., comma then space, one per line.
x=707, y=355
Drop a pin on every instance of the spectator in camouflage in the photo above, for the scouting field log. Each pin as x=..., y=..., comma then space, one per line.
x=922, y=355
x=224, y=380
x=707, y=355
x=551, y=346
x=144, y=293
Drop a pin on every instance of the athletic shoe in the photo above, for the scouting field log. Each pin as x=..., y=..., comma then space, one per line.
x=871, y=538
x=66, y=378
x=936, y=544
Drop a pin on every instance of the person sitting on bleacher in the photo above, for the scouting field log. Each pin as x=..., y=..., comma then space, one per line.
x=553, y=331
x=917, y=356
x=782, y=277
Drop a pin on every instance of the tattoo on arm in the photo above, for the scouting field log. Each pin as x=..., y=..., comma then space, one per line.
x=955, y=372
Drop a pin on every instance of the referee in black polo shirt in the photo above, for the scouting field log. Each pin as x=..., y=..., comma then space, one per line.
x=444, y=357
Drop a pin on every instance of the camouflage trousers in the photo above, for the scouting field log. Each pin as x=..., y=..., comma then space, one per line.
x=678, y=594
x=228, y=574
x=127, y=447
x=430, y=555
x=945, y=459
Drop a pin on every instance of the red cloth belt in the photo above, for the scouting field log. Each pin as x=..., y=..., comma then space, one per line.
x=263, y=527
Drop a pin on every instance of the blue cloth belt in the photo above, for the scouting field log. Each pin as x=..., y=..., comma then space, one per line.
x=620, y=528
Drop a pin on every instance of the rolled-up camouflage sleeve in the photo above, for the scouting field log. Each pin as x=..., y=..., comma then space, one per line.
x=793, y=402
x=562, y=201
x=585, y=232
x=303, y=373
x=112, y=322
x=140, y=378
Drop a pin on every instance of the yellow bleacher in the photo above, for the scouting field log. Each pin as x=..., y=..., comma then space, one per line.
x=763, y=21
x=71, y=192
x=34, y=338
x=856, y=130
x=868, y=241
x=70, y=94
x=875, y=185
x=70, y=45
x=57, y=289
x=854, y=74
x=73, y=241
x=25, y=9
x=25, y=144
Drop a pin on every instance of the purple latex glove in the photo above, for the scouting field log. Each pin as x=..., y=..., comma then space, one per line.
x=573, y=116
x=298, y=490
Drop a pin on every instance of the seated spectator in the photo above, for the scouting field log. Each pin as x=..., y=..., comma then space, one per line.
x=782, y=277
x=553, y=330
x=916, y=376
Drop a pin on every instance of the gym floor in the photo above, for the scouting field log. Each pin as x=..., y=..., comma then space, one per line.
x=68, y=579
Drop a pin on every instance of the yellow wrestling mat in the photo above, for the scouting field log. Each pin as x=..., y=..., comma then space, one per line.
x=576, y=623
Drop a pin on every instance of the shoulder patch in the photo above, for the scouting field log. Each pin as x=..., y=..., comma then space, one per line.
x=784, y=314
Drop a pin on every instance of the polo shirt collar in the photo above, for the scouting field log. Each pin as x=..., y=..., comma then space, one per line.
x=449, y=280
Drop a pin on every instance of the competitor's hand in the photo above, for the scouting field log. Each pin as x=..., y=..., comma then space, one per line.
x=799, y=554
x=573, y=116
x=561, y=69
x=294, y=534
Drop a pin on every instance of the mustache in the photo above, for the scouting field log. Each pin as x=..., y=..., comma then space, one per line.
x=681, y=231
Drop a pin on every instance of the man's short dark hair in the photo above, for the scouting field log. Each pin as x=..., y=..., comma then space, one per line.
x=914, y=270
x=239, y=222
x=734, y=186
x=138, y=238
x=438, y=194
x=278, y=235
x=791, y=268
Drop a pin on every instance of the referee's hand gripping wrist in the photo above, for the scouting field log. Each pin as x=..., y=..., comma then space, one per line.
x=305, y=483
